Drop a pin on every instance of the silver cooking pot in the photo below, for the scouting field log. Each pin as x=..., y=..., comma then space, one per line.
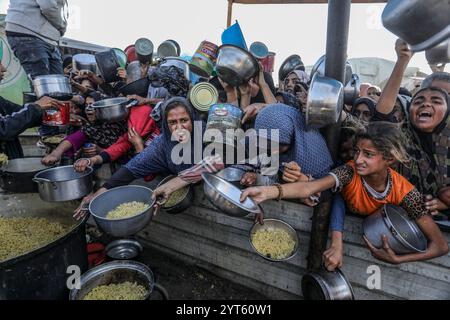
x=351, y=90
x=235, y=66
x=113, y=110
x=326, y=285
x=404, y=236
x=319, y=68
x=422, y=24
x=63, y=184
x=84, y=62
x=439, y=54
x=325, y=102
x=55, y=85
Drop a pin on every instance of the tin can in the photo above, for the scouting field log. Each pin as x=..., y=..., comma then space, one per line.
x=144, y=50
x=204, y=59
x=203, y=95
x=59, y=117
x=223, y=117
x=269, y=62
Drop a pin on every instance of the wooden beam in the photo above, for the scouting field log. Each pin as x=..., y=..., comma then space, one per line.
x=300, y=1
x=230, y=12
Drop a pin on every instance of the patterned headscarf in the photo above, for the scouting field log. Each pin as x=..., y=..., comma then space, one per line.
x=172, y=78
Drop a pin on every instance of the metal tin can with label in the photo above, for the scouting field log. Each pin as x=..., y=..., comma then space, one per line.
x=203, y=95
x=223, y=117
x=59, y=117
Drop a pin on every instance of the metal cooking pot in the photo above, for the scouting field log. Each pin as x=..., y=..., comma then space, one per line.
x=169, y=48
x=184, y=203
x=138, y=87
x=134, y=71
x=17, y=176
x=326, y=285
x=404, y=236
x=124, y=249
x=351, y=90
x=235, y=66
x=113, y=110
x=292, y=63
x=144, y=50
x=422, y=24
x=118, y=272
x=439, y=54
x=179, y=63
x=55, y=85
x=84, y=62
x=319, y=68
x=325, y=102
x=226, y=197
x=101, y=205
x=63, y=184
x=231, y=174
x=108, y=63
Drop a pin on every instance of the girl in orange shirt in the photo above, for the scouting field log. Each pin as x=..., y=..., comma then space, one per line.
x=366, y=184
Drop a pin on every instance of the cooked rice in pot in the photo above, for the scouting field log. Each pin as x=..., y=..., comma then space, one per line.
x=273, y=243
x=121, y=291
x=127, y=210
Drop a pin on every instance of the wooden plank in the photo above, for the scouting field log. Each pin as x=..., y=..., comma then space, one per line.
x=300, y=1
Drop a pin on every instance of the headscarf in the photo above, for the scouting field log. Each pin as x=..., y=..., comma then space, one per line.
x=302, y=75
x=289, y=99
x=368, y=102
x=308, y=148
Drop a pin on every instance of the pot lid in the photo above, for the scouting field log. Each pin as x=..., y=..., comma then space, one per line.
x=124, y=249
x=403, y=228
x=144, y=47
x=24, y=165
x=203, y=95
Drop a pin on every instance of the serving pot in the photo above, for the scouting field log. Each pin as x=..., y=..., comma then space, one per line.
x=326, y=285
x=184, y=203
x=101, y=205
x=84, y=62
x=54, y=85
x=439, y=54
x=235, y=66
x=319, y=68
x=63, y=184
x=404, y=236
x=179, y=63
x=422, y=24
x=325, y=102
x=118, y=272
x=113, y=110
x=352, y=90
x=17, y=176
x=275, y=224
x=226, y=197
x=292, y=63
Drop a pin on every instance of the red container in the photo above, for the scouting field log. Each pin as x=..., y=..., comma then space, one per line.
x=57, y=117
x=269, y=62
x=131, y=53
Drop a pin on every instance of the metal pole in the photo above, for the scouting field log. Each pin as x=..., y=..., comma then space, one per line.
x=337, y=39
x=230, y=13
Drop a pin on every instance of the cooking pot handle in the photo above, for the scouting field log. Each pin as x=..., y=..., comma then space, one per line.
x=131, y=103
x=162, y=291
x=42, y=180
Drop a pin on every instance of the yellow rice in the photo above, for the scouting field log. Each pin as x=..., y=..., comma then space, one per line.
x=121, y=291
x=273, y=243
x=126, y=210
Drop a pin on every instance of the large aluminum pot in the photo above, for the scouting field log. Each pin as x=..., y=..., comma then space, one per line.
x=17, y=175
x=184, y=203
x=113, y=110
x=179, y=63
x=292, y=63
x=422, y=24
x=235, y=66
x=439, y=54
x=63, y=184
x=226, y=197
x=55, y=85
x=319, y=68
x=116, y=272
x=101, y=205
x=325, y=102
x=84, y=62
x=404, y=236
x=351, y=90
x=326, y=285
x=134, y=71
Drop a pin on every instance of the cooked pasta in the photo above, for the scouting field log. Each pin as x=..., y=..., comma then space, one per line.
x=121, y=291
x=126, y=210
x=176, y=197
x=3, y=159
x=273, y=243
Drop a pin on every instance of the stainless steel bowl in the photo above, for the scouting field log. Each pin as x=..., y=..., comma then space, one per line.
x=326, y=285
x=231, y=174
x=439, y=54
x=272, y=224
x=404, y=236
x=124, y=249
x=63, y=184
x=84, y=62
x=422, y=24
x=101, y=205
x=325, y=102
x=184, y=203
x=226, y=197
x=179, y=63
x=114, y=273
x=235, y=66
x=113, y=110
x=54, y=85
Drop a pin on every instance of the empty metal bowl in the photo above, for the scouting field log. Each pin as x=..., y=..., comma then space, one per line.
x=274, y=224
x=111, y=199
x=226, y=197
x=235, y=66
x=231, y=174
x=124, y=249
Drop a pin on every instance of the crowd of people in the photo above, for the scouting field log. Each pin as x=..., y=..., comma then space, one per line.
x=394, y=144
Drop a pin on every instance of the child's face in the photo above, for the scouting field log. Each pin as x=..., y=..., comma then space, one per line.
x=368, y=159
x=428, y=110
